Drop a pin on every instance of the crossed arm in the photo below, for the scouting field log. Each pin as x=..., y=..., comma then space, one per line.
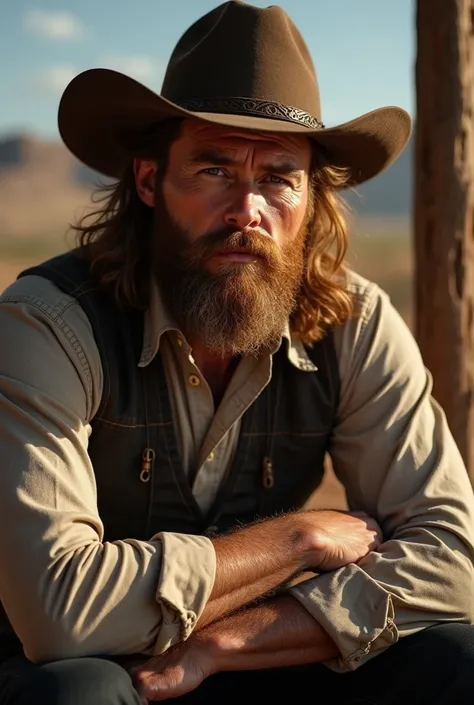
x=279, y=632
x=276, y=632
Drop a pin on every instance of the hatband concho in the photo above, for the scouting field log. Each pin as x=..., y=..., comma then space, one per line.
x=252, y=106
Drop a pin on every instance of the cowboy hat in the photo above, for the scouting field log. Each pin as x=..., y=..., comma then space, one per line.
x=240, y=66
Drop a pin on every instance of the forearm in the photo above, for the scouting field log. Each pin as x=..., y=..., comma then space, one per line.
x=277, y=633
x=252, y=562
x=248, y=566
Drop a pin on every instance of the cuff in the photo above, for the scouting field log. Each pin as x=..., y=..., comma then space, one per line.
x=186, y=581
x=354, y=610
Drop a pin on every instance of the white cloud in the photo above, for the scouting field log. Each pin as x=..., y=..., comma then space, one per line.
x=60, y=25
x=54, y=79
x=142, y=68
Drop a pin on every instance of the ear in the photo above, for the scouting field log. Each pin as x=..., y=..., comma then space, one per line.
x=145, y=179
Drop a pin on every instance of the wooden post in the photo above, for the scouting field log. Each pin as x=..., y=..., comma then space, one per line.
x=444, y=208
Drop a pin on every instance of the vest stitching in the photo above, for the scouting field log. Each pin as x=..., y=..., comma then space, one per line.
x=256, y=434
x=153, y=424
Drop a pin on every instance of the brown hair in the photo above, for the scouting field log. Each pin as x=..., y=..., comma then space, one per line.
x=324, y=300
x=115, y=238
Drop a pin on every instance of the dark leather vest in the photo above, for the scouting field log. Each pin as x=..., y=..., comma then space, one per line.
x=142, y=488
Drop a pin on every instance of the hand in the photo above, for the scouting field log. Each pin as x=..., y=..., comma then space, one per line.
x=340, y=538
x=178, y=671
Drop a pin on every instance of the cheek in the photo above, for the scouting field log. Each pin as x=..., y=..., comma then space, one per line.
x=300, y=213
x=290, y=213
x=193, y=209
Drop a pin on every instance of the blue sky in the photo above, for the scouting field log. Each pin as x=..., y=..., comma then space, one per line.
x=363, y=50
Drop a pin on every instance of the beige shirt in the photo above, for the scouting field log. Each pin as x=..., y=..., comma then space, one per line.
x=68, y=593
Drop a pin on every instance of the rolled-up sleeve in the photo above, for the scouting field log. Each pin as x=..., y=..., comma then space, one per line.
x=394, y=453
x=65, y=590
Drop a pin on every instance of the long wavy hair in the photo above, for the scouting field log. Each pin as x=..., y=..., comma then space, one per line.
x=115, y=237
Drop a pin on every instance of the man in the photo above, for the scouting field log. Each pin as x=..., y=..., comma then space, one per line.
x=169, y=391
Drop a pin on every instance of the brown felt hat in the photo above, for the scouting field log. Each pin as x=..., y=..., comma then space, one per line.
x=240, y=66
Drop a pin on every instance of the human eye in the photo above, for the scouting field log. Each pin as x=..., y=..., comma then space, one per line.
x=214, y=171
x=277, y=180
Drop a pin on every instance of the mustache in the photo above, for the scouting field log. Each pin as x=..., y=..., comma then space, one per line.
x=226, y=240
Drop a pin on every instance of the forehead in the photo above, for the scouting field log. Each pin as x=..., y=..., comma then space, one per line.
x=196, y=135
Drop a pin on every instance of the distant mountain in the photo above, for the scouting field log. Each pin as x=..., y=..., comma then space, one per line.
x=40, y=189
x=43, y=187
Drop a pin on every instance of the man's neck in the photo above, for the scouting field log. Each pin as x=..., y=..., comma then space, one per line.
x=216, y=370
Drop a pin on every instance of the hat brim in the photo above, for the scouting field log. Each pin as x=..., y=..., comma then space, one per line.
x=101, y=110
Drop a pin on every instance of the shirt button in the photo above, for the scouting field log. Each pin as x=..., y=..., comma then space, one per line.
x=194, y=380
x=210, y=457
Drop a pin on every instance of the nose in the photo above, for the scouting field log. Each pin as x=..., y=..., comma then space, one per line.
x=244, y=211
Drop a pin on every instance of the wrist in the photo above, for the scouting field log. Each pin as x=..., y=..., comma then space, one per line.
x=218, y=647
x=311, y=540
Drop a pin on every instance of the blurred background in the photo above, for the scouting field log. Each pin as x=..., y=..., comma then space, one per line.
x=364, y=56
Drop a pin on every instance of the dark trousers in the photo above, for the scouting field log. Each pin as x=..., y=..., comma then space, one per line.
x=433, y=667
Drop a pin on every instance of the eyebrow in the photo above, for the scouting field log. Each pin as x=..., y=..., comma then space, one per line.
x=210, y=156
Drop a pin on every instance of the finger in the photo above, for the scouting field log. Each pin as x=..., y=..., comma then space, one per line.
x=144, y=669
x=378, y=533
x=377, y=540
x=139, y=675
x=157, y=694
x=153, y=687
x=375, y=527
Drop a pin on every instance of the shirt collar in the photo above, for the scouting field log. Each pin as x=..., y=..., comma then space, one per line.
x=158, y=321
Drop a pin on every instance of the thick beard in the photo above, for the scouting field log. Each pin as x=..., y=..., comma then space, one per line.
x=242, y=308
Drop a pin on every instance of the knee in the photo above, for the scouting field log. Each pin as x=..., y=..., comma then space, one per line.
x=447, y=652
x=82, y=682
x=452, y=643
x=434, y=666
